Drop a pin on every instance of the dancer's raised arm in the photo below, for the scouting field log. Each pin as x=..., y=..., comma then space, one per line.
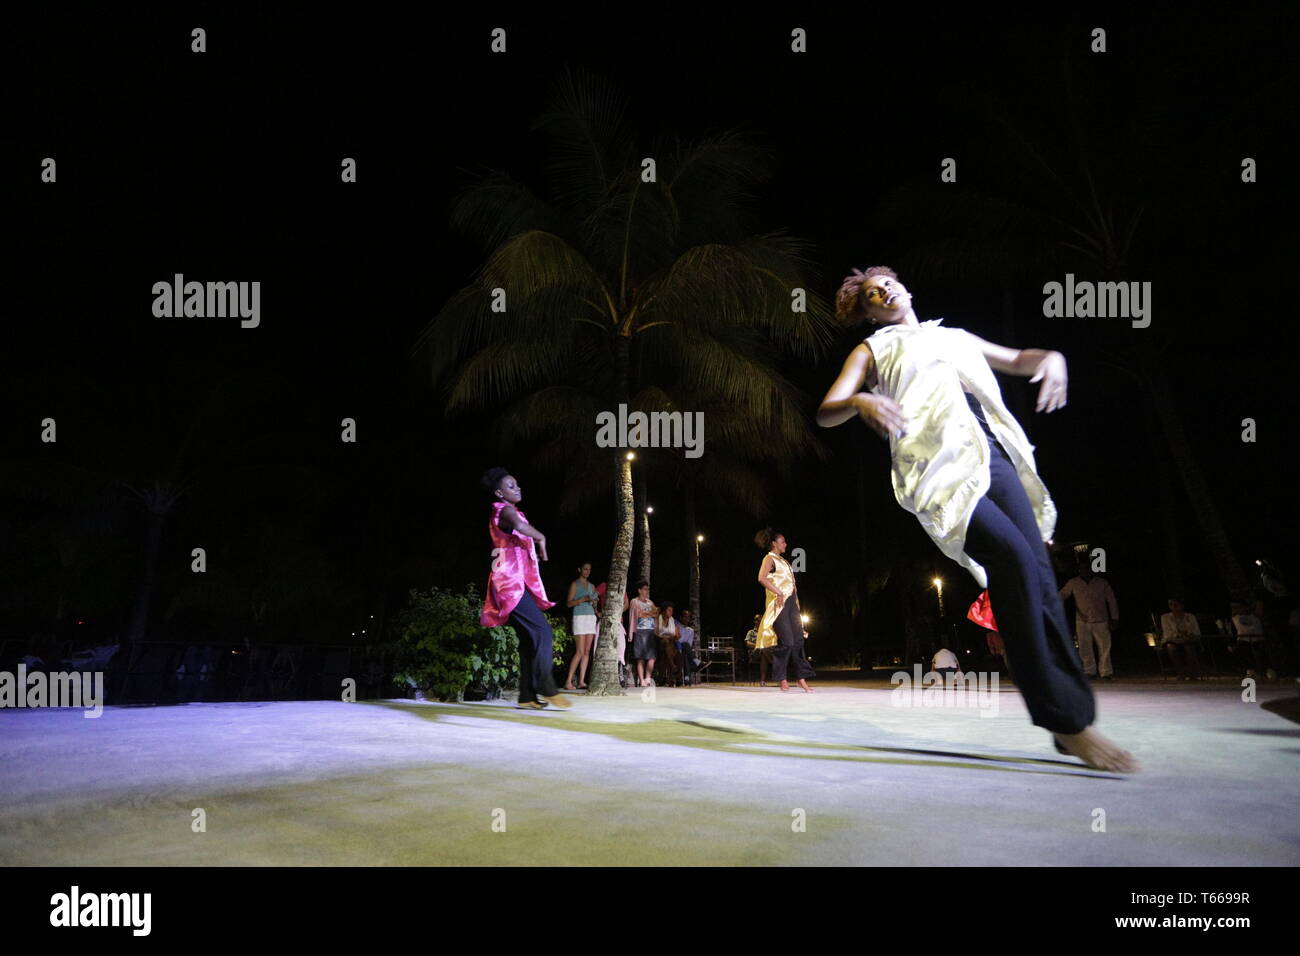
x=846, y=398
x=1035, y=364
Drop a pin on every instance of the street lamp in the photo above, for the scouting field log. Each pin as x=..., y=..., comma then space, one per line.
x=695, y=588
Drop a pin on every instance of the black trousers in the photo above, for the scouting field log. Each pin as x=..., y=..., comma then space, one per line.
x=1003, y=537
x=788, y=655
x=536, y=647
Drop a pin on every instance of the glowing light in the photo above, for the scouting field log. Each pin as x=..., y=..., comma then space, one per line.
x=631, y=456
x=649, y=509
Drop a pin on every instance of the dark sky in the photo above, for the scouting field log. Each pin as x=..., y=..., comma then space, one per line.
x=224, y=166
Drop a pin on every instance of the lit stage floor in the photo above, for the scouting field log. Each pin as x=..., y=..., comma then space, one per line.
x=701, y=775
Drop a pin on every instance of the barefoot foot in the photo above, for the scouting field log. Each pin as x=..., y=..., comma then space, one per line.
x=785, y=685
x=804, y=684
x=1096, y=751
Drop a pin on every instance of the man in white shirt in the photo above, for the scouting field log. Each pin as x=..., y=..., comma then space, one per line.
x=1094, y=609
x=945, y=662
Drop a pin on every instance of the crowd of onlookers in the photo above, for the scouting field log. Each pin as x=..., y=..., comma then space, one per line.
x=1260, y=635
x=663, y=641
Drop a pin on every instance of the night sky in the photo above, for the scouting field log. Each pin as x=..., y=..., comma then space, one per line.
x=224, y=166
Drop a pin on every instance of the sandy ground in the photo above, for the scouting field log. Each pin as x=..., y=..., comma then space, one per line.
x=700, y=775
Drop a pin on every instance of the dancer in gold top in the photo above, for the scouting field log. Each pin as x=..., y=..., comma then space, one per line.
x=781, y=629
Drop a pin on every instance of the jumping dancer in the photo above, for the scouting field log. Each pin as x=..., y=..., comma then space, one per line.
x=963, y=466
x=515, y=594
x=781, y=628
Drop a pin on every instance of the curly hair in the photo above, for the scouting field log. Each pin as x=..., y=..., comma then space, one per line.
x=492, y=479
x=765, y=538
x=849, y=309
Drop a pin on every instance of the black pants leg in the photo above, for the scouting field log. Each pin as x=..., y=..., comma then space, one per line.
x=536, y=647
x=1003, y=537
x=788, y=655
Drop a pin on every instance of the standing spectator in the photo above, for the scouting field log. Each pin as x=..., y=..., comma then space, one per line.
x=686, y=645
x=582, y=598
x=641, y=624
x=1180, y=632
x=1094, y=611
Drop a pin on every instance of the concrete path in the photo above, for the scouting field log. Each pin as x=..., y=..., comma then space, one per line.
x=701, y=775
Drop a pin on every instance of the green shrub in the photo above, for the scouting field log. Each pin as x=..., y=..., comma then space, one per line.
x=443, y=650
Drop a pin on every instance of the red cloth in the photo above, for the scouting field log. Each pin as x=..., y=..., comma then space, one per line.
x=981, y=612
x=514, y=571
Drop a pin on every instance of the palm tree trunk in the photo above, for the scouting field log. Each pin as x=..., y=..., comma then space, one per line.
x=1231, y=572
x=694, y=544
x=603, y=679
x=144, y=597
x=1165, y=494
x=643, y=520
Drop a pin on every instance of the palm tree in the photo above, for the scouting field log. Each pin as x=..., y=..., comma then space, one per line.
x=623, y=282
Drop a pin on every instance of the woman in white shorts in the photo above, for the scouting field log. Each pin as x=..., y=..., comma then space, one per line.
x=583, y=598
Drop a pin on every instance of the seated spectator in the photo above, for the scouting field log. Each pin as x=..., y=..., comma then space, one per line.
x=945, y=662
x=1179, y=634
x=686, y=646
x=668, y=631
x=1250, y=640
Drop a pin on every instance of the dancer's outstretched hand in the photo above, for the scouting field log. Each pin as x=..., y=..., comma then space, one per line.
x=881, y=414
x=1051, y=371
x=541, y=547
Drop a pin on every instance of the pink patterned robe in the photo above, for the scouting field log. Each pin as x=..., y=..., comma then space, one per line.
x=514, y=571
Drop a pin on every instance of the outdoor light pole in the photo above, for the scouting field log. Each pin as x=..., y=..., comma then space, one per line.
x=695, y=588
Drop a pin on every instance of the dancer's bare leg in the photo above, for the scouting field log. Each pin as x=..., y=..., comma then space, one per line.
x=1097, y=752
